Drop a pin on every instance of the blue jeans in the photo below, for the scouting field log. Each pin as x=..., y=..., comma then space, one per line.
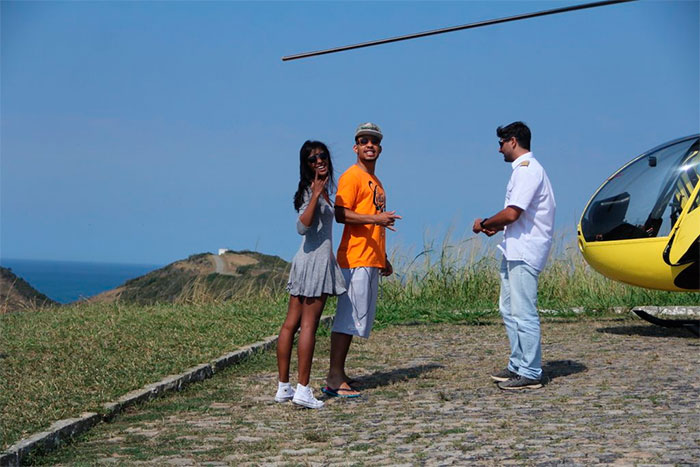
x=518, y=306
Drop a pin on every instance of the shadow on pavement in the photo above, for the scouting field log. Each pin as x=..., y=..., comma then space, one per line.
x=559, y=368
x=384, y=378
x=648, y=331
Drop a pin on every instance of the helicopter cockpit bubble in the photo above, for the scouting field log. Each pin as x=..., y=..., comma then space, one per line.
x=642, y=226
x=631, y=205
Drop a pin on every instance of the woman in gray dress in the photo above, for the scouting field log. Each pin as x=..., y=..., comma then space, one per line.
x=314, y=275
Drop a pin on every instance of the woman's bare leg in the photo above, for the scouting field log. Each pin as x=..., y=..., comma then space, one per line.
x=311, y=310
x=286, y=337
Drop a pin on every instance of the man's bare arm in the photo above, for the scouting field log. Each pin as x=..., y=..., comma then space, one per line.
x=498, y=221
x=346, y=216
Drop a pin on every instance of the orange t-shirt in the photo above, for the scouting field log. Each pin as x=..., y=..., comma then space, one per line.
x=362, y=245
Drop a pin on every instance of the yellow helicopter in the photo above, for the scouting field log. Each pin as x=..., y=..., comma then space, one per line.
x=642, y=226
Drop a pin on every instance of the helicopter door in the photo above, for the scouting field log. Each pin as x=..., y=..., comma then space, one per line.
x=678, y=251
x=683, y=249
x=687, y=231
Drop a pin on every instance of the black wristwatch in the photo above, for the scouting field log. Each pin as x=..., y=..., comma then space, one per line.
x=482, y=223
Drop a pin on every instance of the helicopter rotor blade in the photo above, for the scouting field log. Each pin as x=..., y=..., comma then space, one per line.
x=455, y=28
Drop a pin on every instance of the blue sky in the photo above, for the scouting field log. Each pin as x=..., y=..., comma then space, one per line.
x=143, y=132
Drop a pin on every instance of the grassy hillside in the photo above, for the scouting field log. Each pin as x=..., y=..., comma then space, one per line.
x=16, y=294
x=186, y=281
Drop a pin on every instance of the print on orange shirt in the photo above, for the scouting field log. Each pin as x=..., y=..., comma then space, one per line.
x=378, y=197
x=362, y=245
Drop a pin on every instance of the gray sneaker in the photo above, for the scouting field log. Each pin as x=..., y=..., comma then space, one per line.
x=521, y=382
x=504, y=375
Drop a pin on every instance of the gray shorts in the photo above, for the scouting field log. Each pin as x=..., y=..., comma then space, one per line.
x=357, y=307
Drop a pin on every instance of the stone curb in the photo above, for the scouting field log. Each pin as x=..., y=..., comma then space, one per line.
x=57, y=433
x=688, y=311
x=240, y=355
x=150, y=391
x=63, y=430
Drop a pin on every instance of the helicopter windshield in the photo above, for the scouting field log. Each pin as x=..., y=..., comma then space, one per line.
x=646, y=197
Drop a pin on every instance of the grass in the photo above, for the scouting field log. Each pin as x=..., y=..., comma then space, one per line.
x=57, y=362
x=60, y=362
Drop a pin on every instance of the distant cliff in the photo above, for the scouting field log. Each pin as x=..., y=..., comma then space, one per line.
x=204, y=277
x=16, y=294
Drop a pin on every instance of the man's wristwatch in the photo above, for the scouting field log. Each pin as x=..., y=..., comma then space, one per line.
x=482, y=223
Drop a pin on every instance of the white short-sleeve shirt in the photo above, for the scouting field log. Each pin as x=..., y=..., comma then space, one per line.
x=529, y=239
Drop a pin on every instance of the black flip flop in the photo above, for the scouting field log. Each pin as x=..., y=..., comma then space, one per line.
x=334, y=392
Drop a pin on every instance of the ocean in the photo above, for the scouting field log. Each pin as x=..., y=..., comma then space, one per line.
x=68, y=281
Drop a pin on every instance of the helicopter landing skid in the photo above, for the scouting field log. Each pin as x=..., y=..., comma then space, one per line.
x=692, y=325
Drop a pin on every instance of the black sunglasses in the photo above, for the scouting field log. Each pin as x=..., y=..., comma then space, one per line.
x=501, y=142
x=366, y=139
x=313, y=157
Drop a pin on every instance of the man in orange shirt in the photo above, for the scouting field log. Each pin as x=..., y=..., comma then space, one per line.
x=360, y=204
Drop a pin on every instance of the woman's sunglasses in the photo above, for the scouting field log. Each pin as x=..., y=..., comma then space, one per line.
x=314, y=157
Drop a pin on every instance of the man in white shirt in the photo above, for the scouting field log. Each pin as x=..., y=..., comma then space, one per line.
x=528, y=223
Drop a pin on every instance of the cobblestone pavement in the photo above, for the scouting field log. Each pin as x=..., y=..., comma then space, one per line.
x=617, y=392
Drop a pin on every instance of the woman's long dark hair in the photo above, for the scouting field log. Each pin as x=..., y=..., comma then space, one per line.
x=307, y=174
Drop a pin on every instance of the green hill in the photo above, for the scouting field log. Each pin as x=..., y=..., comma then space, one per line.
x=16, y=294
x=204, y=277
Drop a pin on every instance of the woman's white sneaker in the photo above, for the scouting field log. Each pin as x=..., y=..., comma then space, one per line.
x=284, y=392
x=304, y=396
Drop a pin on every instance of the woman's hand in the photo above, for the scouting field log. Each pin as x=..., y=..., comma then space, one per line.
x=318, y=186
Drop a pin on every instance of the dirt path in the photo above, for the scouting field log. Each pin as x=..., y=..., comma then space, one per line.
x=618, y=392
x=220, y=265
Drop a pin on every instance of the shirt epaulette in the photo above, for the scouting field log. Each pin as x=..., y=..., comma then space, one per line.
x=524, y=164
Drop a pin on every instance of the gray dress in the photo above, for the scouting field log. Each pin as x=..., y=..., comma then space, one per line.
x=314, y=268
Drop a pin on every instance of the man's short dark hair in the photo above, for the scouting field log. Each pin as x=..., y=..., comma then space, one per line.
x=519, y=130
